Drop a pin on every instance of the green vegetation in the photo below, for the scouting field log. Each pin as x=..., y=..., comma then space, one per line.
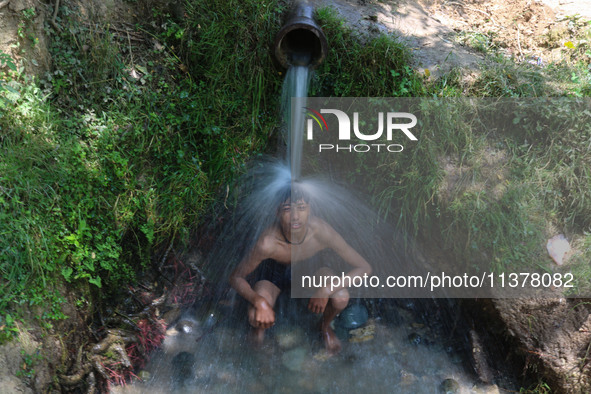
x=27, y=370
x=496, y=180
x=363, y=66
x=122, y=146
x=538, y=388
x=493, y=193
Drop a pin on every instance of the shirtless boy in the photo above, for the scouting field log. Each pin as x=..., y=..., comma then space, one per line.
x=296, y=235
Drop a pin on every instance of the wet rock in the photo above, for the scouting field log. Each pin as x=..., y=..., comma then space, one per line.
x=144, y=375
x=492, y=389
x=363, y=334
x=294, y=359
x=183, y=368
x=181, y=336
x=409, y=305
x=479, y=359
x=415, y=339
x=186, y=326
x=289, y=337
x=449, y=386
x=226, y=377
x=392, y=349
x=171, y=315
x=391, y=314
x=407, y=378
x=353, y=316
x=256, y=387
x=323, y=355
x=306, y=385
x=341, y=332
x=227, y=339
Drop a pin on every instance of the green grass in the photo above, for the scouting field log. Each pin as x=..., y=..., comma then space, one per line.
x=377, y=66
x=493, y=178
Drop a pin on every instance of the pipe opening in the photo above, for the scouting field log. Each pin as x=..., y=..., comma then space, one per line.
x=300, y=42
x=300, y=47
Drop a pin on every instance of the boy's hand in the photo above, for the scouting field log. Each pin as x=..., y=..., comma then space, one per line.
x=264, y=315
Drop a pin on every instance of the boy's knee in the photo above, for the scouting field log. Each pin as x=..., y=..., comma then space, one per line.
x=340, y=299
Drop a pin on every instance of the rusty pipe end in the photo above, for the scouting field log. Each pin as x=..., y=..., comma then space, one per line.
x=300, y=42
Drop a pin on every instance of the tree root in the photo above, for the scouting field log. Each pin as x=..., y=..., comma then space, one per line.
x=118, y=351
x=52, y=21
x=109, y=359
x=109, y=350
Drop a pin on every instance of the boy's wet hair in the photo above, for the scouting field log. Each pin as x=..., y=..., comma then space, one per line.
x=293, y=192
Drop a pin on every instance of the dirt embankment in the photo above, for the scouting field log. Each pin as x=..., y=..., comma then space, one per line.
x=554, y=336
x=445, y=34
x=22, y=34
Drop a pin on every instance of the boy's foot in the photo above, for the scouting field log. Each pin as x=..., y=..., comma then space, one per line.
x=331, y=341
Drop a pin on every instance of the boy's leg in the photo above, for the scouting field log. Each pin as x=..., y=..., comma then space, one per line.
x=269, y=292
x=337, y=302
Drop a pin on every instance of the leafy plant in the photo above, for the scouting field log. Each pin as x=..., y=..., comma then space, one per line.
x=6, y=62
x=8, y=328
x=27, y=369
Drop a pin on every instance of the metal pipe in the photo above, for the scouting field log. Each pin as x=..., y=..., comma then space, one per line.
x=300, y=42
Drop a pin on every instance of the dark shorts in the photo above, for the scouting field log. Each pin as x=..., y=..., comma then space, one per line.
x=276, y=273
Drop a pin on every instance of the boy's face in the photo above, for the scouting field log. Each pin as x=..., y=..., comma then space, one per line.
x=294, y=217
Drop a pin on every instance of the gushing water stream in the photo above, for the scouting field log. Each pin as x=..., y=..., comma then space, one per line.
x=295, y=91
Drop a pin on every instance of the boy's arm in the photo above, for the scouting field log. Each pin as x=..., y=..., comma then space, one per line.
x=246, y=267
x=264, y=316
x=337, y=243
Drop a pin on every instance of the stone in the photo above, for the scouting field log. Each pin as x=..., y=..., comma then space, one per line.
x=227, y=339
x=289, y=337
x=414, y=338
x=294, y=359
x=144, y=375
x=407, y=378
x=20, y=5
x=449, y=386
x=171, y=315
x=353, y=316
x=489, y=389
x=323, y=355
x=363, y=334
x=183, y=368
x=186, y=326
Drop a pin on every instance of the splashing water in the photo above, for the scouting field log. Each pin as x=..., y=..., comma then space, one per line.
x=395, y=353
x=292, y=362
